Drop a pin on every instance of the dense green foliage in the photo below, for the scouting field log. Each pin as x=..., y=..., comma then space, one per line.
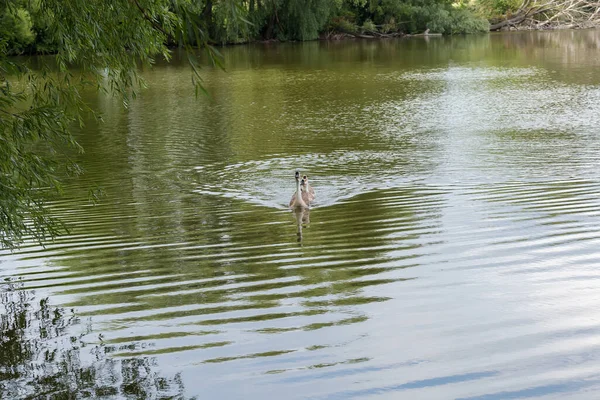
x=494, y=10
x=27, y=26
x=16, y=29
x=412, y=16
x=107, y=42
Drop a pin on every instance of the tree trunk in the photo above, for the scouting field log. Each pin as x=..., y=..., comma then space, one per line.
x=512, y=21
x=273, y=18
x=207, y=12
x=270, y=27
x=206, y=18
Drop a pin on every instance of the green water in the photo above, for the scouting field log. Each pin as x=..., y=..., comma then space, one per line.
x=451, y=252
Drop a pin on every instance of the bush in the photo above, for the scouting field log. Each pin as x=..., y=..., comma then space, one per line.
x=439, y=19
x=340, y=24
x=464, y=21
x=368, y=26
x=496, y=9
x=15, y=30
x=415, y=16
x=456, y=21
x=389, y=26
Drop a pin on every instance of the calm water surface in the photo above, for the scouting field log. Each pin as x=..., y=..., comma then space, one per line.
x=452, y=252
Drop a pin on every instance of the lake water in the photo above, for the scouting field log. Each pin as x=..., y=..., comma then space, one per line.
x=453, y=251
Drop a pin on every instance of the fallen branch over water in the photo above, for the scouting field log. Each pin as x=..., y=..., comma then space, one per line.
x=370, y=35
x=553, y=14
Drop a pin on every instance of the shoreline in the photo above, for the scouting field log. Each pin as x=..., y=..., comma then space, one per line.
x=341, y=36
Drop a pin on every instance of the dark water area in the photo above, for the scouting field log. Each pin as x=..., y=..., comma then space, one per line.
x=451, y=253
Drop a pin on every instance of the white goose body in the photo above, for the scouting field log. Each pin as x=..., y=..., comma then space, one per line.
x=301, y=198
x=309, y=189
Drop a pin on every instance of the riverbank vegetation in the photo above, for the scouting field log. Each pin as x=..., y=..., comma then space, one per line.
x=27, y=27
x=541, y=14
x=96, y=44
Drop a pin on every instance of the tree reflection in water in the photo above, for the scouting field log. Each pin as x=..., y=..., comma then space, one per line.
x=40, y=359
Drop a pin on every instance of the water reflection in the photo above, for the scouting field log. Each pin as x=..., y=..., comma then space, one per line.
x=302, y=217
x=451, y=253
x=242, y=276
x=41, y=357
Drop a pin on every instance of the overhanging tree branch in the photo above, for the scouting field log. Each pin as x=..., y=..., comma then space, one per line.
x=554, y=14
x=147, y=17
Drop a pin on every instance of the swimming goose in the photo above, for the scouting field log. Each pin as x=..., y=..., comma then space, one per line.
x=309, y=189
x=300, y=199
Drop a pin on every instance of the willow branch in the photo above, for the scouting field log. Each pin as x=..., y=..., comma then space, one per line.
x=13, y=115
x=148, y=17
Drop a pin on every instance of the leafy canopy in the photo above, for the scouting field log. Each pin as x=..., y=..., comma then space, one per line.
x=108, y=41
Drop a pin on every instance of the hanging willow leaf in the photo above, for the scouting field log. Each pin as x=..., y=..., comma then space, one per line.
x=99, y=44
